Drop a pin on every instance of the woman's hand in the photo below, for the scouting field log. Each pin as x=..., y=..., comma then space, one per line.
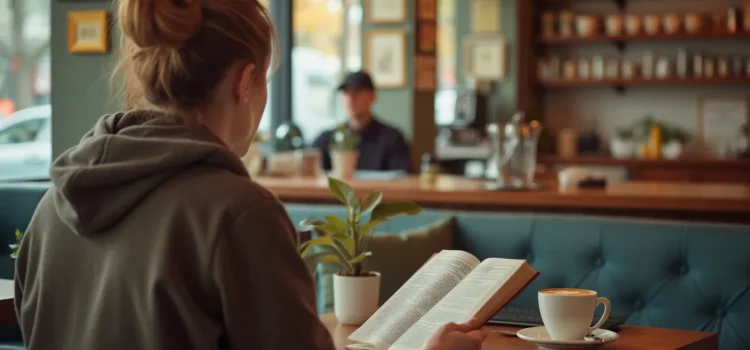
x=453, y=336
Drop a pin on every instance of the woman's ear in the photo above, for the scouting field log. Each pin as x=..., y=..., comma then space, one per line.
x=244, y=84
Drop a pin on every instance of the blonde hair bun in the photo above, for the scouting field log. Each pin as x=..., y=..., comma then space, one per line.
x=160, y=23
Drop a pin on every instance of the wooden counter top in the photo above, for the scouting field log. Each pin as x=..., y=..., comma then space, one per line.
x=451, y=191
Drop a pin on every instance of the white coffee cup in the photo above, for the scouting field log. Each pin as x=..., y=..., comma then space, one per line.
x=567, y=312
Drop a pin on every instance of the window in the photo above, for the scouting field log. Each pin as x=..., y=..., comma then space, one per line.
x=25, y=143
x=265, y=121
x=327, y=45
x=445, y=97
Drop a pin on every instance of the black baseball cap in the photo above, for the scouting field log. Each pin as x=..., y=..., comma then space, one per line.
x=357, y=80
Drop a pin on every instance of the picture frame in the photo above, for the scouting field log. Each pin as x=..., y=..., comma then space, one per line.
x=427, y=10
x=485, y=16
x=385, y=11
x=385, y=57
x=485, y=57
x=718, y=121
x=88, y=31
x=427, y=42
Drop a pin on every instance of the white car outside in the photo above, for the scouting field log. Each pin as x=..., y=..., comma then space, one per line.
x=26, y=144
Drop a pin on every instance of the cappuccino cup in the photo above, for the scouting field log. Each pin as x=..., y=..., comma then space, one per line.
x=567, y=312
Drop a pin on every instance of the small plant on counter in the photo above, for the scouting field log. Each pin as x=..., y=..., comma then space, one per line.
x=625, y=134
x=344, y=139
x=14, y=247
x=344, y=242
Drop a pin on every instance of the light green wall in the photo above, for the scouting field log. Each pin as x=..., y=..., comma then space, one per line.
x=503, y=96
x=395, y=106
x=80, y=83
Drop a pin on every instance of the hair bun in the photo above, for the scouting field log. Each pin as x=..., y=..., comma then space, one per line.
x=167, y=23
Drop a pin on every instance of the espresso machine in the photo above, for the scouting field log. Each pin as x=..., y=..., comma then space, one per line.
x=512, y=161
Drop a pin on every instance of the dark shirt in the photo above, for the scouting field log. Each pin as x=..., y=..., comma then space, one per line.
x=381, y=147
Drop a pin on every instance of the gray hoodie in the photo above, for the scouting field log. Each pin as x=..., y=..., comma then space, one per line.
x=152, y=236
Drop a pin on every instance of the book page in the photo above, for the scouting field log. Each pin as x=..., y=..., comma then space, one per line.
x=418, y=295
x=462, y=303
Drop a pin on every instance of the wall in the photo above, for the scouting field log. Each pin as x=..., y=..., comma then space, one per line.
x=80, y=83
x=604, y=110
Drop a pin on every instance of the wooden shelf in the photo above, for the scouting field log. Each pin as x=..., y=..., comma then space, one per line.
x=674, y=81
x=599, y=38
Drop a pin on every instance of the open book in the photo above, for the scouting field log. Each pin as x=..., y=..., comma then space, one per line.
x=453, y=286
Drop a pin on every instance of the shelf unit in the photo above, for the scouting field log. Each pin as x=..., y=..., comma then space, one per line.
x=603, y=38
x=623, y=83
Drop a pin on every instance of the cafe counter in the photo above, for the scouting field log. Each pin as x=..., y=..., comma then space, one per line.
x=675, y=200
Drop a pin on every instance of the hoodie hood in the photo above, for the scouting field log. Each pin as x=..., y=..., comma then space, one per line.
x=123, y=159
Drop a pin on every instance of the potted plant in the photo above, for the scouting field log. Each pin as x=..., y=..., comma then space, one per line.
x=253, y=159
x=344, y=242
x=14, y=247
x=343, y=151
x=623, y=144
x=673, y=140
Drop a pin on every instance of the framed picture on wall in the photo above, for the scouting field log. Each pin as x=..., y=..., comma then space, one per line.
x=88, y=31
x=385, y=57
x=485, y=57
x=719, y=122
x=427, y=10
x=385, y=11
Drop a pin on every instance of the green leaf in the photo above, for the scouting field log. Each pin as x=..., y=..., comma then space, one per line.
x=310, y=222
x=336, y=222
x=360, y=258
x=326, y=228
x=368, y=227
x=19, y=235
x=324, y=241
x=370, y=201
x=347, y=243
x=385, y=211
x=342, y=191
x=312, y=260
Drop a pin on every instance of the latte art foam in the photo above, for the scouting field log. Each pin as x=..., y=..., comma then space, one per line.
x=567, y=291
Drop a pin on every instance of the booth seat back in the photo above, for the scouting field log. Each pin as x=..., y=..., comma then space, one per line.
x=18, y=202
x=671, y=274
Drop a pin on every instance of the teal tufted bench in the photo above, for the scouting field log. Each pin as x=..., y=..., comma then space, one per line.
x=680, y=275
x=669, y=274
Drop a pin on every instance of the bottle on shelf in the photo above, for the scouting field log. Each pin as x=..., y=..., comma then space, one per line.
x=654, y=150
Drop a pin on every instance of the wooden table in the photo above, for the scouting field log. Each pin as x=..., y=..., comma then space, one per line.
x=631, y=338
x=674, y=200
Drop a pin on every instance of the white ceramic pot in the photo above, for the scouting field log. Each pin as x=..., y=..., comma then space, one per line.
x=620, y=148
x=355, y=299
x=671, y=150
x=343, y=163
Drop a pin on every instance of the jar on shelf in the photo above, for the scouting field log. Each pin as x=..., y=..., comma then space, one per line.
x=587, y=25
x=652, y=24
x=647, y=65
x=709, y=68
x=548, y=24
x=681, y=66
x=614, y=25
x=663, y=68
x=722, y=67
x=565, y=23
x=733, y=20
x=554, y=67
x=737, y=66
x=671, y=23
x=612, y=69
x=597, y=68
x=698, y=65
x=693, y=23
x=628, y=69
x=633, y=24
x=584, y=69
x=569, y=70
x=543, y=69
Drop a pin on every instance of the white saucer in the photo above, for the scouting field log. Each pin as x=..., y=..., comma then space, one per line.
x=539, y=336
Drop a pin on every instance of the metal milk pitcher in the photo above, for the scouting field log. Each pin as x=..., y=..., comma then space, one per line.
x=514, y=148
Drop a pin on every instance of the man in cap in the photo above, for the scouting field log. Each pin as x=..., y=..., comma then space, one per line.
x=381, y=147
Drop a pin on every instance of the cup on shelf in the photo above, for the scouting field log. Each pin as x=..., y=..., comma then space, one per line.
x=633, y=24
x=565, y=23
x=548, y=24
x=651, y=24
x=587, y=25
x=693, y=23
x=614, y=25
x=671, y=23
